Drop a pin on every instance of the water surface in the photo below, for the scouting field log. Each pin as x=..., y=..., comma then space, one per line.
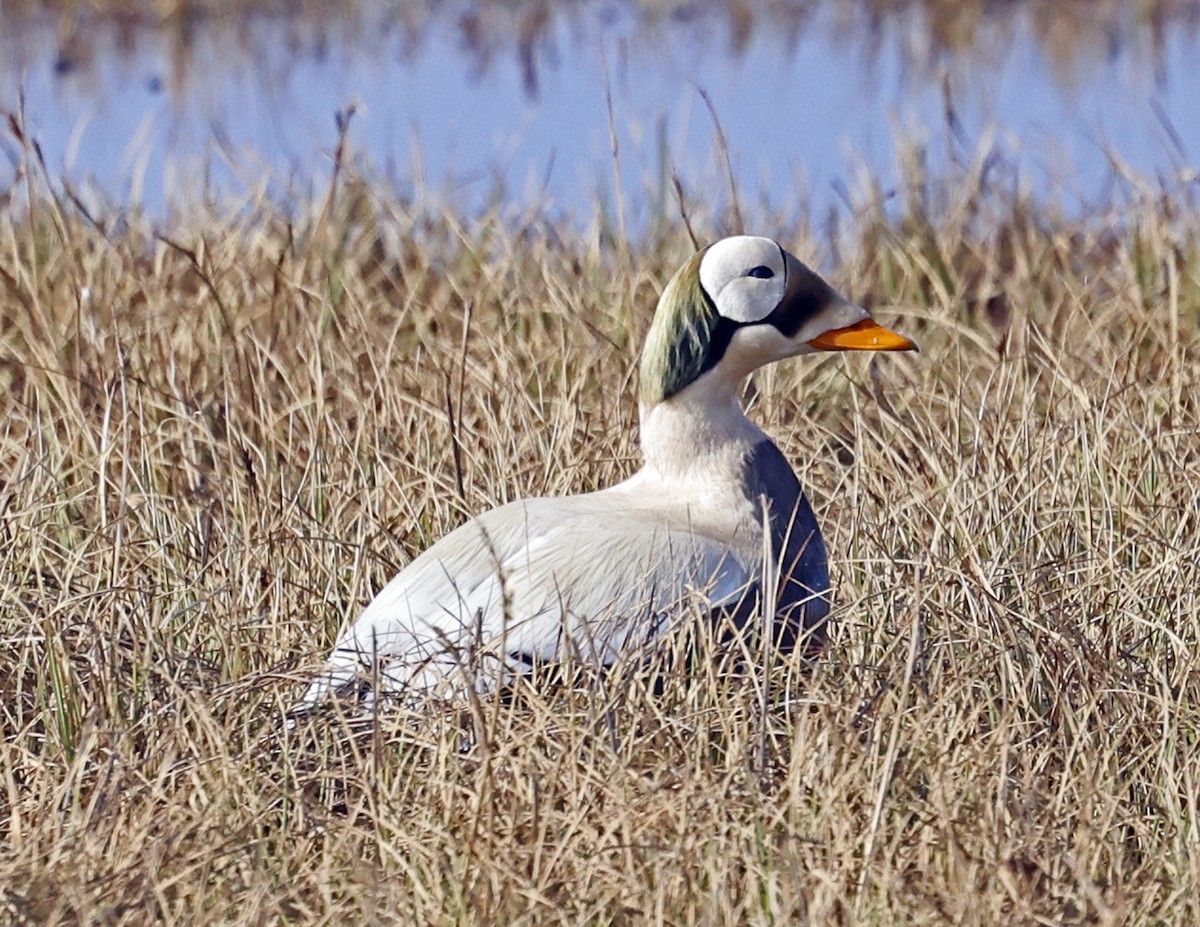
x=481, y=103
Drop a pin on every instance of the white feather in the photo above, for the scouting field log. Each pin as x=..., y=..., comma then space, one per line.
x=600, y=574
x=543, y=578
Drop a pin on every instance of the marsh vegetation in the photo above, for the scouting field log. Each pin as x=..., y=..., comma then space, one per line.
x=221, y=437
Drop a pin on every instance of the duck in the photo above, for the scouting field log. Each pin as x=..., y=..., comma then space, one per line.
x=713, y=524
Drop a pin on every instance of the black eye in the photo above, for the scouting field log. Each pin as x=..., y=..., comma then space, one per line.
x=762, y=271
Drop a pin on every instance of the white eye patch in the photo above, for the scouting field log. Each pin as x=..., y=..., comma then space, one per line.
x=746, y=277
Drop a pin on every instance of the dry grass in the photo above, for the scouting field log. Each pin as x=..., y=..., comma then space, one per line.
x=215, y=447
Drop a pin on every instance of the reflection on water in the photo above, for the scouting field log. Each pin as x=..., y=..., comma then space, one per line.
x=486, y=102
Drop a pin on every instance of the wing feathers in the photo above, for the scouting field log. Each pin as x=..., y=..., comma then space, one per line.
x=530, y=579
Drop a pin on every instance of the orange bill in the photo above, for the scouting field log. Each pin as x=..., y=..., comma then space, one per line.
x=866, y=335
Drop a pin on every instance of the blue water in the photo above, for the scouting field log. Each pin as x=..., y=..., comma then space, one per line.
x=806, y=114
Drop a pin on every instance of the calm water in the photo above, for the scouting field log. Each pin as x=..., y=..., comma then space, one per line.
x=476, y=110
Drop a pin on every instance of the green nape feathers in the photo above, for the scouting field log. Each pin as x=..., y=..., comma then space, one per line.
x=677, y=346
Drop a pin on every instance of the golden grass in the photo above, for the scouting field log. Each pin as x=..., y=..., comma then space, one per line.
x=214, y=448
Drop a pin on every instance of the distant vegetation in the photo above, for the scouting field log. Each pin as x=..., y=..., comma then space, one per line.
x=1074, y=34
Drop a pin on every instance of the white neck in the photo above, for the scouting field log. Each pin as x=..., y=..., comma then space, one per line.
x=699, y=430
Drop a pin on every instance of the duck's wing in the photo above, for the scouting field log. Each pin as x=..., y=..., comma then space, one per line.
x=534, y=580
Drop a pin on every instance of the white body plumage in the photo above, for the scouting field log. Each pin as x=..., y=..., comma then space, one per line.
x=601, y=574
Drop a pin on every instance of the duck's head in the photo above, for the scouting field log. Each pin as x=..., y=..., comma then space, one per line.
x=741, y=303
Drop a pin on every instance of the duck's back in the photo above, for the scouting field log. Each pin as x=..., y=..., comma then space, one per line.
x=591, y=576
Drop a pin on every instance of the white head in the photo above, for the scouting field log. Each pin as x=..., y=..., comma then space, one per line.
x=744, y=302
